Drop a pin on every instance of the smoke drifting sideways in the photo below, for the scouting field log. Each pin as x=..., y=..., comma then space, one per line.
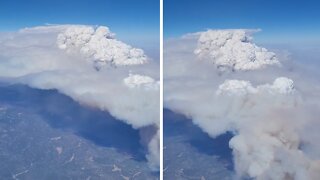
x=274, y=124
x=88, y=64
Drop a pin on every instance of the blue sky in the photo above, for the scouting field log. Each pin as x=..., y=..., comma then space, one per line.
x=134, y=22
x=286, y=21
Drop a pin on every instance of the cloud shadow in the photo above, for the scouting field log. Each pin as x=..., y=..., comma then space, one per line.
x=61, y=112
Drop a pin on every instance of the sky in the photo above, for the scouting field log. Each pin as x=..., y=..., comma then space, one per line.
x=285, y=21
x=135, y=22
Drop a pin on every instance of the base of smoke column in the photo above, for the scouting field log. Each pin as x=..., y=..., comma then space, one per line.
x=150, y=140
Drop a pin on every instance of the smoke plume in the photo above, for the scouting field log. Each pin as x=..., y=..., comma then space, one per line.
x=88, y=64
x=226, y=83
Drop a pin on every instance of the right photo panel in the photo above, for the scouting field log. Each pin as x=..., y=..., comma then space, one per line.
x=241, y=90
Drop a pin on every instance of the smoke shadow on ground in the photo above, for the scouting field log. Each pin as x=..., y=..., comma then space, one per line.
x=61, y=112
x=175, y=124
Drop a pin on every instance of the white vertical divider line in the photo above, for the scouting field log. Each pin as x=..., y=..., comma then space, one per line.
x=161, y=89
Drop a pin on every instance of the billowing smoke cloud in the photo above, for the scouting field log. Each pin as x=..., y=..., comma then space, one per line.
x=99, y=46
x=269, y=108
x=88, y=64
x=136, y=80
x=281, y=85
x=233, y=49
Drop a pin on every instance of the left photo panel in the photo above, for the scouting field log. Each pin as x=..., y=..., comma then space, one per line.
x=79, y=89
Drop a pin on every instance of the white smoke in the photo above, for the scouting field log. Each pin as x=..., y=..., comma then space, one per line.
x=136, y=80
x=233, y=49
x=100, y=46
x=270, y=121
x=154, y=151
x=89, y=65
x=281, y=85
